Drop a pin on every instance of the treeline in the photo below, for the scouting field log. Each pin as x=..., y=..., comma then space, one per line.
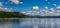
x=49, y=17
x=13, y=15
x=10, y=15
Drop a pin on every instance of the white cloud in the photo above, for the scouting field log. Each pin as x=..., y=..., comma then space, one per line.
x=15, y=1
x=51, y=12
x=35, y=8
x=58, y=7
x=21, y=2
x=44, y=12
x=6, y=9
x=1, y=4
x=51, y=9
x=29, y=13
x=46, y=7
x=23, y=12
x=58, y=11
x=54, y=4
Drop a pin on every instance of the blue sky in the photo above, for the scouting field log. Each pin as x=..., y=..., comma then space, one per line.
x=25, y=5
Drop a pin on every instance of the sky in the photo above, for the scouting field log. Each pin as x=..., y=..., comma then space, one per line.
x=27, y=5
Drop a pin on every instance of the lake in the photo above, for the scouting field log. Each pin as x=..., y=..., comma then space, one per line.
x=32, y=23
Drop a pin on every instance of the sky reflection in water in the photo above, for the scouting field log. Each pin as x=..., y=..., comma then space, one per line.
x=34, y=22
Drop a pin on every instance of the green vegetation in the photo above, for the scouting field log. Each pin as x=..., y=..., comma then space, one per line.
x=8, y=14
x=13, y=15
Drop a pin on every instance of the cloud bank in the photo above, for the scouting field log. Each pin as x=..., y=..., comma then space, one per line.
x=44, y=12
x=6, y=9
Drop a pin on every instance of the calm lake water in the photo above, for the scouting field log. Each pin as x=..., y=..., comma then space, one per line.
x=33, y=23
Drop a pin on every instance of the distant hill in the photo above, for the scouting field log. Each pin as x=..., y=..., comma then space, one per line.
x=13, y=15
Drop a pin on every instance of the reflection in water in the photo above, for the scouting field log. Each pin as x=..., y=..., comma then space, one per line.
x=42, y=22
x=34, y=23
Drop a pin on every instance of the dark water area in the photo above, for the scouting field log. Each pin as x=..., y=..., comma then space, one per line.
x=32, y=23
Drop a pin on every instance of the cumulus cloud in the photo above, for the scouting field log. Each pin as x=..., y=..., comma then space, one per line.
x=15, y=2
x=35, y=8
x=51, y=10
x=46, y=7
x=6, y=9
x=44, y=12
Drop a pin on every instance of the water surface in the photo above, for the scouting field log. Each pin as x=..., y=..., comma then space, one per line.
x=33, y=23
